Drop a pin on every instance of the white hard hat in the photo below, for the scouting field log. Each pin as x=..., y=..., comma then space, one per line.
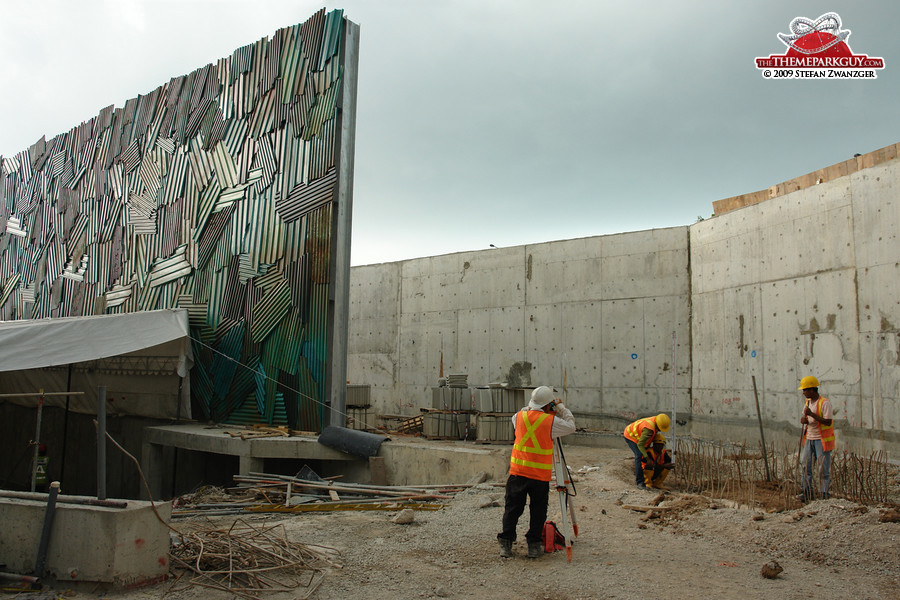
x=541, y=397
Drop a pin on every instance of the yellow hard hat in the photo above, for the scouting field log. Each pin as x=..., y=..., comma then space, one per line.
x=808, y=382
x=659, y=439
x=662, y=421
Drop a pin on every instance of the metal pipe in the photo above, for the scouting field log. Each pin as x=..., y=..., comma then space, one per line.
x=63, y=499
x=762, y=435
x=674, y=394
x=62, y=467
x=101, y=443
x=45, y=532
x=33, y=582
x=41, y=394
x=37, y=440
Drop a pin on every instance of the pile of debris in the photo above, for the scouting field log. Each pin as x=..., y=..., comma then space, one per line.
x=247, y=560
x=307, y=492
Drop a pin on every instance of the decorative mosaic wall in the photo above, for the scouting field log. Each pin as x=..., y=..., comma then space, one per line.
x=215, y=193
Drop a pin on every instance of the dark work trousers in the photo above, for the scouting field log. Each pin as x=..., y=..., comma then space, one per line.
x=638, y=468
x=519, y=488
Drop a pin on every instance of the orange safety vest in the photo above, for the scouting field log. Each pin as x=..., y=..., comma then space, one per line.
x=633, y=432
x=655, y=460
x=827, y=431
x=532, y=454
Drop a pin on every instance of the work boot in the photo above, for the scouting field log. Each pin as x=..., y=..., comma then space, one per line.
x=505, y=548
x=648, y=477
x=535, y=549
x=641, y=485
x=658, y=482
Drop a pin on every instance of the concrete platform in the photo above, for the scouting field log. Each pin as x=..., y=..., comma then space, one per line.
x=405, y=460
x=126, y=547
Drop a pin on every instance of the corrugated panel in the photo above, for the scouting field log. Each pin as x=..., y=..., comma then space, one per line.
x=172, y=268
x=225, y=362
x=311, y=33
x=264, y=160
x=306, y=198
x=270, y=311
x=260, y=379
x=142, y=214
x=11, y=284
x=224, y=166
x=247, y=413
x=292, y=61
x=334, y=23
x=246, y=269
x=118, y=295
x=272, y=277
x=131, y=158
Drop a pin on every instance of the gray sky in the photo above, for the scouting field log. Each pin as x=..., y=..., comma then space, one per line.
x=500, y=122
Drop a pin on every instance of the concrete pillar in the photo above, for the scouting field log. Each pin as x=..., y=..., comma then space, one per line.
x=152, y=465
x=250, y=464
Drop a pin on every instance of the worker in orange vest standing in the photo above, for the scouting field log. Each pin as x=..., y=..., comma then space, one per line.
x=531, y=465
x=818, y=438
x=639, y=436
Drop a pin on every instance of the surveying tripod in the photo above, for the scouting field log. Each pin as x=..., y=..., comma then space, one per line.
x=566, y=488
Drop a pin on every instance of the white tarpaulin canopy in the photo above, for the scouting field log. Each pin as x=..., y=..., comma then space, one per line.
x=143, y=338
x=53, y=342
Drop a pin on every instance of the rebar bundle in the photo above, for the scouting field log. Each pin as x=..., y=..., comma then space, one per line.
x=731, y=471
x=248, y=560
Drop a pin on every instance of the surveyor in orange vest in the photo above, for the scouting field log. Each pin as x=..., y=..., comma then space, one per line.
x=658, y=463
x=639, y=436
x=530, y=467
x=818, y=438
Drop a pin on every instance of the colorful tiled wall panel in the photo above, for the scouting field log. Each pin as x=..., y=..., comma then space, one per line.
x=213, y=193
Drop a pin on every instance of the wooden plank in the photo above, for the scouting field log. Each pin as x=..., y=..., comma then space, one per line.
x=647, y=508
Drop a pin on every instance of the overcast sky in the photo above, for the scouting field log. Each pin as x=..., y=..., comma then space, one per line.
x=501, y=122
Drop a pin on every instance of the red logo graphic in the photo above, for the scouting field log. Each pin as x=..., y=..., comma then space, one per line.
x=818, y=49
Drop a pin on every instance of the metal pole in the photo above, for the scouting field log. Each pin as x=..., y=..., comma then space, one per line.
x=101, y=443
x=41, y=561
x=37, y=440
x=62, y=467
x=674, y=393
x=762, y=435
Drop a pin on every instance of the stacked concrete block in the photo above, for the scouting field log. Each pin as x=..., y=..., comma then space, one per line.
x=451, y=398
x=494, y=428
x=441, y=424
x=499, y=399
x=359, y=418
x=494, y=408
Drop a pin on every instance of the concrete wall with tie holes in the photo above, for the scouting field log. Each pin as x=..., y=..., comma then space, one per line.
x=801, y=279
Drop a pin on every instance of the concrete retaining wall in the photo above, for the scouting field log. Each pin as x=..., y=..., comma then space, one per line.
x=599, y=311
x=803, y=283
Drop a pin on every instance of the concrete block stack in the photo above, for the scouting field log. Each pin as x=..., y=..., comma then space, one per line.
x=449, y=416
x=481, y=413
x=494, y=406
x=357, y=408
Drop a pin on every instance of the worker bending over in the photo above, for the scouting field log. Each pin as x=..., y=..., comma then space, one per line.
x=639, y=436
x=530, y=467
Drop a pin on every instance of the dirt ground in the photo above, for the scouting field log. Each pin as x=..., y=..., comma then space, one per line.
x=698, y=548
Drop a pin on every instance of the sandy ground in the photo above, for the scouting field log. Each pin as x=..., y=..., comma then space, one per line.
x=701, y=549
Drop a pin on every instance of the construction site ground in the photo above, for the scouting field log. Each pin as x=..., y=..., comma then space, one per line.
x=697, y=547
